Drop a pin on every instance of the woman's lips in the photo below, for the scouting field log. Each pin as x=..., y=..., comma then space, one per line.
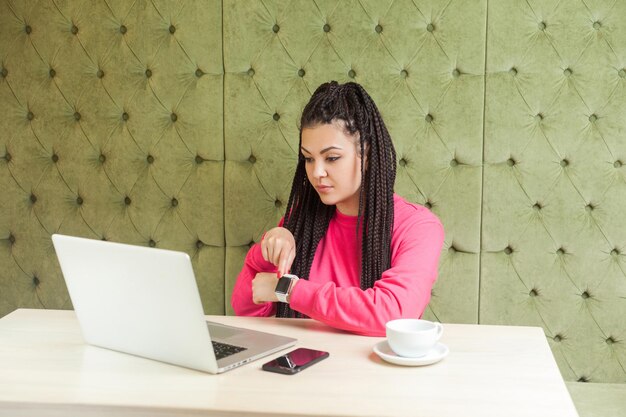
x=324, y=189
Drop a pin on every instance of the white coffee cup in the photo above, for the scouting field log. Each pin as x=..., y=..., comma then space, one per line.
x=412, y=338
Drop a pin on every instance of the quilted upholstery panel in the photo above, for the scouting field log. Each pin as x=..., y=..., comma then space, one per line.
x=111, y=128
x=554, y=230
x=422, y=62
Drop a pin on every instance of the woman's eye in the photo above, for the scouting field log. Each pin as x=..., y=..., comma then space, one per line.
x=308, y=160
x=332, y=158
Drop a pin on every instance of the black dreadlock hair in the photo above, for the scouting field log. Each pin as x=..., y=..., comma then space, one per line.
x=307, y=217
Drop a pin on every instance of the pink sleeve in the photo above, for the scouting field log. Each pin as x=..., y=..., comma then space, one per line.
x=241, y=299
x=403, y=290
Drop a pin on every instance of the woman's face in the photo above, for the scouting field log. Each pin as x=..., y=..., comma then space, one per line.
x=333, y=165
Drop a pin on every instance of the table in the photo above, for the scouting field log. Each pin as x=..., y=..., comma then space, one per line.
x=47, y=370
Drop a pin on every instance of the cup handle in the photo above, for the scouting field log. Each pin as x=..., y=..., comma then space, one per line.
x=439, y=330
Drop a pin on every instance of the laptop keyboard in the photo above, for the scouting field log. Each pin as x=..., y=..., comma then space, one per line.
x=223, y=350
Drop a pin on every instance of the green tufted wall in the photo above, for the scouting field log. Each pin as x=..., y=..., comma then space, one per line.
x=554, y=190
x=112, y=129
x=174, y=124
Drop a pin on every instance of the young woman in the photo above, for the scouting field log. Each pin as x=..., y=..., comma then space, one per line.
x=357, y=254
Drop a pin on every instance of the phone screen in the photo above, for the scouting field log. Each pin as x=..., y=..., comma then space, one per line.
x=295, y=361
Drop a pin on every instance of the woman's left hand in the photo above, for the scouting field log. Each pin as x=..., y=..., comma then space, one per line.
x=263, y=286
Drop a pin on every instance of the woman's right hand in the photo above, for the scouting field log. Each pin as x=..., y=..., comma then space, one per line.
x=279, y=247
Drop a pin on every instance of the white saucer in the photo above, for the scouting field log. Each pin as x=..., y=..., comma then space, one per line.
x=436, y=354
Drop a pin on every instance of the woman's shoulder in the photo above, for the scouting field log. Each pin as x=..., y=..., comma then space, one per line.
x=407, y=213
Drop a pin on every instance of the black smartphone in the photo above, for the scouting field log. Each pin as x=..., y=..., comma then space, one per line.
x=295, y=361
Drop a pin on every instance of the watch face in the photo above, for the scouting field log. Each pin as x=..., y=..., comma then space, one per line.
x=283, y=285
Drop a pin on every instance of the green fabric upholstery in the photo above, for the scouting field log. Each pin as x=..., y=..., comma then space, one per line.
x=111, y=129
x=554, y=231
x=598, y=400
x=175, y=124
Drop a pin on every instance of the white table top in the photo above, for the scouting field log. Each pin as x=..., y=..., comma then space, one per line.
x=47, y=370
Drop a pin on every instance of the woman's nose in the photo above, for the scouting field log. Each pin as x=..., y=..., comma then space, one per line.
x=319, y=171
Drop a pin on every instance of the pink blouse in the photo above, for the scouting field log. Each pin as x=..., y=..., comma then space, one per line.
x=332, y=294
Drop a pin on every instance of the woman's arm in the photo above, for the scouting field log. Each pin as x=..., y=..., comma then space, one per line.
x=241, y=299
x=403, y=290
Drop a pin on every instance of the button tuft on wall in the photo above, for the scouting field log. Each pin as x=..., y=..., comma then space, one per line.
x=326, y=28
x=379, y=29
x=456, y=73
x=301, y=73
x=102, y=158
x=151, y=243
x=402, y=162
x=7, y=157
x=100, y=73
x=454, y=162
x=174, y=202
x=351, y=73
x=251, y=72
x=583, y=379
x=36, y=281
x=593, y=118
x=127, y=201
x=252, y=159
x=11, y=238
x=28, y=29
x=508, y=250
x=4, y=72
x=542, y=25
x=199, y=159
x=564, y=163
x=199, y=244
x=428, y=204
x=430, y=27
x=404, y=73
x=74, y=30
x=148, y=73
x=275, y=28
x=429, y=118
x=558, y=338
x=617, y=164
x=622, y=72
x=125, y=116
x=589, y=207
x=52, y=73
x=30, y=115
x=534, y=292
x=79, y=200
x=173, y=117
x=560, y=251
x=55, y=158
x=33, y=198
x=172, y=29
x=567, y=72
x=511, y=162
x=513, y=71
x=77, y=116
x=597, y=25
x=150, y=159
x=199, y=73
x=123, y=29
x=537, y=206
x=276, y=116
x=585, y=295
x=278, y=203
x=615, y=252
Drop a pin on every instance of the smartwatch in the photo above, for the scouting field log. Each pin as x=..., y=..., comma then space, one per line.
x=284, y=286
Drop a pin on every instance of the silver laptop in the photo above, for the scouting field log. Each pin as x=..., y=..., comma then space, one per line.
x=145, y=301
